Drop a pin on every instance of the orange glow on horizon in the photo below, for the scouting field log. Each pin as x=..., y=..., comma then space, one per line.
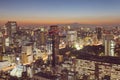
x=84, y=20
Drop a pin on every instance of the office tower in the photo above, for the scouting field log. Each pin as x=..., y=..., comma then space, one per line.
x=37, y=37
x=27, y=55
x=53, y=33
x=40, y=37
x=11, y=28
x=109, y=44
x=99, y=33
x=1, y=48
x=71, y=37
x=2, y=43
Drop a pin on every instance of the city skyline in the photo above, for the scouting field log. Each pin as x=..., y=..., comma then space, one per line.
x=60, y=12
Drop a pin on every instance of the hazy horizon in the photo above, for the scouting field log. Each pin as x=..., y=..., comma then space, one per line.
x=28, y=12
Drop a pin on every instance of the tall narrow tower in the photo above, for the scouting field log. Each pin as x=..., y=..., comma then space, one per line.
x=99, y=33
x=11, y=28
x=55, y=43
x=109, y=45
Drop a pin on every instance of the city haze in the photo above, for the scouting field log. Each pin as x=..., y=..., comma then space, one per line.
x=60, y=11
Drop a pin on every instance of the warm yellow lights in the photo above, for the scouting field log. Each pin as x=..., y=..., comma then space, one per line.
x=78, y=47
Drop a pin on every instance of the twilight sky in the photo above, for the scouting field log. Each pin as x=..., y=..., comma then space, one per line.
x=60, y=11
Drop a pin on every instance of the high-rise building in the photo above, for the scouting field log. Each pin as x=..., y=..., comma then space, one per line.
x=40, y=37
x=109, y=44
x=53, y=33
x=11, y=28
x=71, y=37
x=99, y=33
x=1, y=48
x=27, y=55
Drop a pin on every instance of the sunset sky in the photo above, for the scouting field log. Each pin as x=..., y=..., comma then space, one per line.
x=60, y=11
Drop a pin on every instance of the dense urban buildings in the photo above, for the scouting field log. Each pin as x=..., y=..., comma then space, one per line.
x=59, y=53
x=59, y=39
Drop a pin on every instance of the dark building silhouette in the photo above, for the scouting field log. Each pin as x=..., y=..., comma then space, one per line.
x=11, y=27
x=53, y=32
x=40, y=37
x=99, y=33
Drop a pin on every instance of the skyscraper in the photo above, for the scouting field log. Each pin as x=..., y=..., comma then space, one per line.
x=53, y=32
x=11, y=28
x=109, y=45
x=99, y=33
x=71, y=37
x=40, y=38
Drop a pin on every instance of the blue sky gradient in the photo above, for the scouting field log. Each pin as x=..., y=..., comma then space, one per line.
x=61, y=11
